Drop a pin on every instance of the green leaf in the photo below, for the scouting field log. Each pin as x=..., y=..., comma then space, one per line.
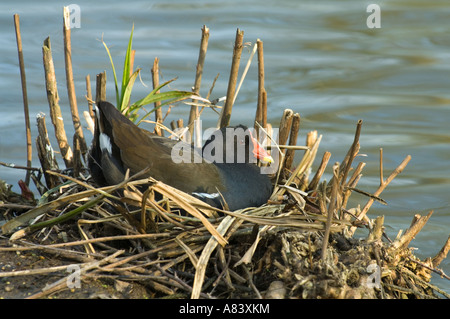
x=145, y=100
x=126, y=72
x=114, y=73
x=172, y=96
x=126, y=95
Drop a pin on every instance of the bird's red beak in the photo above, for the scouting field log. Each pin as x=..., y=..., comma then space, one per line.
x=259, y=152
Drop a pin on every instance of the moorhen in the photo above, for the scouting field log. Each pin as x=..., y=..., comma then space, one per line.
x=214, y=176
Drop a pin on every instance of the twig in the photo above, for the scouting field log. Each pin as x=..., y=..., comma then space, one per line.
x=158, y=236
x=12, y=165
x=23, y=79
x=380, y=189
x=62, y=283
x=251, y=283
x=422, y=282
x=288, y=147
x=381, y=167
x=244, y=73
x=409, y=235
x=237, y=51
x=442, y=254
x=438, y=271
x=16, y=206
x=351, y=184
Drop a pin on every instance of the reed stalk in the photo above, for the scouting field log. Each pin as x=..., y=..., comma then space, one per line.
x=352, y=152
x=290, y=153
x=442, y=254
x=157, y=104
x=23, y=80
x=332, y=207
x=89, y=96
x=45, y=153
x=194, y=113
x=319, y=172
x=285, y=126
x=237, y=51
x=264, y=108
x=411, y=232
x=77, y=154
x=53, y=101
x=69, y=81
x=283, y=135
x=261, y=107
x=100, y=91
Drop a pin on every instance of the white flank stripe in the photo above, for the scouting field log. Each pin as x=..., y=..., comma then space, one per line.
x=207, y=195
x=105, y=143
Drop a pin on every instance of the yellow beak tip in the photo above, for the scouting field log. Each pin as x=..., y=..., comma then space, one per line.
x=267, y=159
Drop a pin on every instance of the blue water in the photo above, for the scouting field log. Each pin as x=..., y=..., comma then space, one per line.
x=321, y=60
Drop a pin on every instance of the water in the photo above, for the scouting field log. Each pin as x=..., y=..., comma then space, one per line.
x=321, y=60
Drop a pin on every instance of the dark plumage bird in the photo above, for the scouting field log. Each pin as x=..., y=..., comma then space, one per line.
x=223, y=170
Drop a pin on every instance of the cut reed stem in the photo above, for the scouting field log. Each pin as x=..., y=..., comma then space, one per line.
x=194, y=114
x=100, y=87
x=23, y=80
x=334, y=205
x=237, y=51
x=410, y=233
x=442, y=254
x=157, y=104
x=70, y=83
x=260, y=112
x=352, y=152
x=283, y=135
x=323, y=165
x=53, y=101
x=89, y=96
x=290, y=153
x=45, y=153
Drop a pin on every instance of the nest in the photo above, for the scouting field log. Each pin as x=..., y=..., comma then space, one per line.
x=299, y=245
x=168, y=244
